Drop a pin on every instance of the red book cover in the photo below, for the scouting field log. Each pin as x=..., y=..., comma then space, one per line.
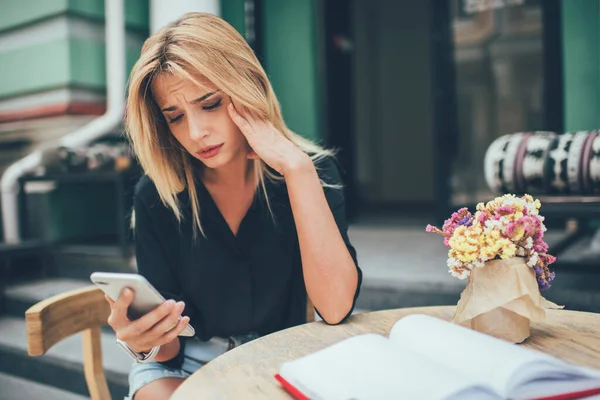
x=574, y=395
x=298, y=395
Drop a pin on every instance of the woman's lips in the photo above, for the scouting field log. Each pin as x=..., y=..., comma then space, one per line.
x=209, y=151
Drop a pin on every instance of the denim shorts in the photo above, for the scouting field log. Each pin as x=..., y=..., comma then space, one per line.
x=197, y=354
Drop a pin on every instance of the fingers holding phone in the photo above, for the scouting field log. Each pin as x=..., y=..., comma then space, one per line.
x=118, y=309
x=145, y=333
x=163, y=324
x=171, y=325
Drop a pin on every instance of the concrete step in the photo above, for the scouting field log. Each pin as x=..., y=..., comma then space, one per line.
x=15, y=388
x=19, y=297
x=62, y=366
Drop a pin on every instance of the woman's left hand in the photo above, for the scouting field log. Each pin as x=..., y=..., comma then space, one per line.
x=266, y=142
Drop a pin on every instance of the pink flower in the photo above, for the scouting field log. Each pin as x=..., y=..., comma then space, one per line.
x=506, y=210
x=510, y=229
x=461, y=217
x=540, y=247
x=531, y=224
x=547, y=259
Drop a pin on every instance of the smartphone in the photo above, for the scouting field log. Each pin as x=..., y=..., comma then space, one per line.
x=146, y=297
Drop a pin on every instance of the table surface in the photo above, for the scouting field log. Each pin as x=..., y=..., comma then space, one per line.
x=248, y=371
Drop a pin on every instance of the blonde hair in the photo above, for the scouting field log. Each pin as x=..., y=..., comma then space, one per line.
x=197, y=44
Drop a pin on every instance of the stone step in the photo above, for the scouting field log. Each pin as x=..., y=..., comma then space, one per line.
x=14, y=388
x=19, y=297
x=62, y=366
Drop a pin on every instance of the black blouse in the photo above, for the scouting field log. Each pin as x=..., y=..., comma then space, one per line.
x=231, y=284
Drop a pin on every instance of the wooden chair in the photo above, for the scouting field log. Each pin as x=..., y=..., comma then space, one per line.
x=58, y=317
x=82, y=310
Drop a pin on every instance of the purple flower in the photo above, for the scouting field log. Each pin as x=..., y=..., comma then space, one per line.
x=461, y=217
x=466, y=220
x=542, y=284
x=543, y=274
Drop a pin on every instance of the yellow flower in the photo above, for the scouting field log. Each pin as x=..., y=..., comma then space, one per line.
x=518, y=233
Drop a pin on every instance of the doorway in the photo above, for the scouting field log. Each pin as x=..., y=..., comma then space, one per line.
x=379, y=103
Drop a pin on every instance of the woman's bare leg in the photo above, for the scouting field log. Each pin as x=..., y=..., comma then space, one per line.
x=160, y=389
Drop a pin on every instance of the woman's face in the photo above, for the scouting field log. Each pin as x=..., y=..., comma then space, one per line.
x=198, y=118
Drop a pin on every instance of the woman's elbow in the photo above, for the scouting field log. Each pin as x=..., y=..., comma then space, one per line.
x=339, y=313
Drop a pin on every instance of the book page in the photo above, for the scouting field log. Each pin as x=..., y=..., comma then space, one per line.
x=481, y=357
x=369, y=367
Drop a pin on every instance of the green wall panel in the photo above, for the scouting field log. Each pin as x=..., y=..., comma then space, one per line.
x=137, y=12
x=14, y=13
x=35, y=68
x=291, y=62
x=581, y=63
x=65, y=62
x=233, y=12
x=88, y=63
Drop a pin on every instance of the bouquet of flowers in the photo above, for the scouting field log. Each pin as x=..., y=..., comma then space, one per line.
x=505, y=227
x=501, y=250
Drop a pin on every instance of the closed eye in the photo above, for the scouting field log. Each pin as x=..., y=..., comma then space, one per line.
x=175, y=119
x=213, y=106
x=208, y=107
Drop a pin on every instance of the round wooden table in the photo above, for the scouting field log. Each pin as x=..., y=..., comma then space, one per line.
x=247, y=372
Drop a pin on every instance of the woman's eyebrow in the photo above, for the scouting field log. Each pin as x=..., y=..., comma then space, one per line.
x=198, y=100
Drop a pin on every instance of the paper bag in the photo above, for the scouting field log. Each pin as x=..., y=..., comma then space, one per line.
x=501, y=298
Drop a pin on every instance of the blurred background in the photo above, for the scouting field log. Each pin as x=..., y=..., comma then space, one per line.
x=411, y=93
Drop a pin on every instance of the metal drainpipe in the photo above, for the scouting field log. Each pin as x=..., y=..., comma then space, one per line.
x=115, y=88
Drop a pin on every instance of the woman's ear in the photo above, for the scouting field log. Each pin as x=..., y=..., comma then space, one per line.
x=251, y=154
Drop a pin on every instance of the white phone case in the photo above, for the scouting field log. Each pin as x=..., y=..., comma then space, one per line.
x=146, y=297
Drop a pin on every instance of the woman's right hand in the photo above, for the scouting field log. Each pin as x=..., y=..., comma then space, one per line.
x=158, y=327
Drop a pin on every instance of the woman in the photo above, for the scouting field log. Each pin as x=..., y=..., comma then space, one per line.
x=237, y=218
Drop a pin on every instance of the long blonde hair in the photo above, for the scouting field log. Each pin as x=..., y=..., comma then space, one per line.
x=197, y=44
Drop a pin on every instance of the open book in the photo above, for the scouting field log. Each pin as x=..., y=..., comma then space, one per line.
x=429, y=358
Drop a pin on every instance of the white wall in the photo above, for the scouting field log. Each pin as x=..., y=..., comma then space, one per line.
x=394, y=103
x=164, y=11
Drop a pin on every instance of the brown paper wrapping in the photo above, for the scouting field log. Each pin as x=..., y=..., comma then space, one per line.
x=501, y=298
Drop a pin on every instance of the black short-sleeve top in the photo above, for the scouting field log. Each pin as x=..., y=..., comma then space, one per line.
x=231, y=284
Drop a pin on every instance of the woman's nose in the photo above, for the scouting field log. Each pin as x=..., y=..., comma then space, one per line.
x=197, y=131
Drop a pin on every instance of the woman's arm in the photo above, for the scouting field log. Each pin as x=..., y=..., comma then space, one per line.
x=330, y=272
x=153, y=264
